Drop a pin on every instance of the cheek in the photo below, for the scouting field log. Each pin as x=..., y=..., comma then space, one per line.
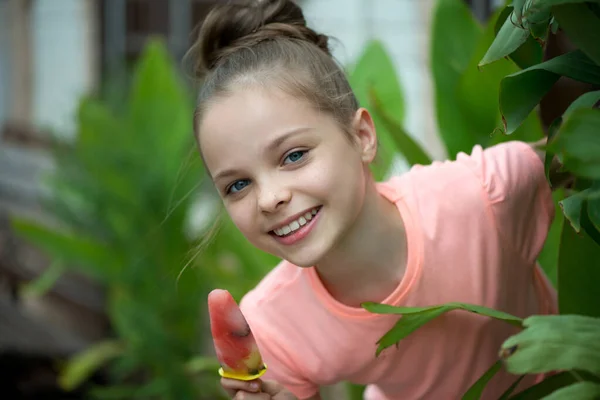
x=242, y=216
x=338, y=176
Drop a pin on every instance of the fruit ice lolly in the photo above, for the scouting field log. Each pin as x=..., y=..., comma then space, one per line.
x=234, y=342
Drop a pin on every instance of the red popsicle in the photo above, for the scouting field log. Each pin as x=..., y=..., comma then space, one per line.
x=234, y=342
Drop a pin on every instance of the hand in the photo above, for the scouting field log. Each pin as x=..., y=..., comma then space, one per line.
x=256, y=390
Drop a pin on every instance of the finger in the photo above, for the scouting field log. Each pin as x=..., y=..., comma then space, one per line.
x=275, y=389
x=231, y=386
x=241, y=395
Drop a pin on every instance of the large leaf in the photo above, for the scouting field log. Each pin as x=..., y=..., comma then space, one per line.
x=375, y=73
x=593, y=209
x=160, y=108
x=554, y=343
x=530, y=52
x=572, y=205
x=45, y=281
x=508, y=392
x=591, y=229
x=548, y=257
x=521, y=92
x=508, y=39
x=202, y=364
x=581, y=26
x=586, y=100
x=527, y=11
x=579, y=391
x=577, y=142
x=578, y=273
x=450, y=56
x=476, y=390
x=477, y=92
x=415, y=317
x=412, y=152
x=94, y=257
x=84, y=364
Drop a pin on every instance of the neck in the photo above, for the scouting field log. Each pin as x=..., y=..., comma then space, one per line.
x=369, y=262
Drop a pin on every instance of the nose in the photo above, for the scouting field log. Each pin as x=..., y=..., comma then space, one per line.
x=272, y=197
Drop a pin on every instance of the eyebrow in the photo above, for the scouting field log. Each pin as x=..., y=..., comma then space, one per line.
x=283, y=138
x=278, y=141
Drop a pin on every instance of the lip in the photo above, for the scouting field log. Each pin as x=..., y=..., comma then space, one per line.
x=299, y=234
x=292, y=219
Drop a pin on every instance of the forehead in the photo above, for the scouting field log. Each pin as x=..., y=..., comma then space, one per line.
x=249, y=119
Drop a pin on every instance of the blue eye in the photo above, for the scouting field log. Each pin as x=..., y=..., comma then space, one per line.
x=238, y=185
x=294, y=156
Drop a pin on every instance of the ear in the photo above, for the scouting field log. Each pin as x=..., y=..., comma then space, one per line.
x=365, y=135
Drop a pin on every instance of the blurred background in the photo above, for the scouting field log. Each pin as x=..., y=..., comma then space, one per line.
x=102, y=197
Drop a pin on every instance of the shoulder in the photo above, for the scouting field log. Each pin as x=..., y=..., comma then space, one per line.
x=487, y=173
x=446, y=184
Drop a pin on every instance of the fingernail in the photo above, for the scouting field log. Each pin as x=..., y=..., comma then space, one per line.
x=254, y=386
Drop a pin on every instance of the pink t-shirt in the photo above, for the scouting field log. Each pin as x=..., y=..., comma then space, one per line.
x=475, y=227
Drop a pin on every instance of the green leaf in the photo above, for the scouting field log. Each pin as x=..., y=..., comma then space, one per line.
x=548, y=257
x=554, y=343
x=521, y=92
x=586, y=100
x=70, y=248
x=579, y=391
x=476, y=390
x=378, y=308
x=376, y=73
x=593, y=209
x=406, y=325
x=511, y=389
x=450, y=55
x=84, y=364
x=415, y=317
x=577, y=142
x=549, y=157
x=509, y=38
x=586, y=223
x=355, y=391
x=581, y=26
x=530, y=52
x=412, y=152
x=545, y=387
x=46, y=281
x=578, y=273
x=152, y=390
x=202, y=364
x=478, y=89
x=571, y=207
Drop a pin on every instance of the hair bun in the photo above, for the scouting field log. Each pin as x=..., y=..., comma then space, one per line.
x=235, y=25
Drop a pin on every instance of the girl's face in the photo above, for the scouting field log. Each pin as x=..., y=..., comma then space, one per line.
x=289, y=177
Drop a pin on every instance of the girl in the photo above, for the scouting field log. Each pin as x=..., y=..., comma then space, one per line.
x=288, y=148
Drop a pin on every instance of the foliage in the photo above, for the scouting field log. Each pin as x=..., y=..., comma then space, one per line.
x=123, y=200
x=123, y=194
x=509, y=67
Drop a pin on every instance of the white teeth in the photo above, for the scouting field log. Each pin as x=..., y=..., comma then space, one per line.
x=295, y=225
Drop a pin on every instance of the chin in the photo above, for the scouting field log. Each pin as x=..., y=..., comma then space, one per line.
x=303, y=262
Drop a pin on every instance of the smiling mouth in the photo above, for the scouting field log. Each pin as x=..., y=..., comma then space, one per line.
x=293, y=226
